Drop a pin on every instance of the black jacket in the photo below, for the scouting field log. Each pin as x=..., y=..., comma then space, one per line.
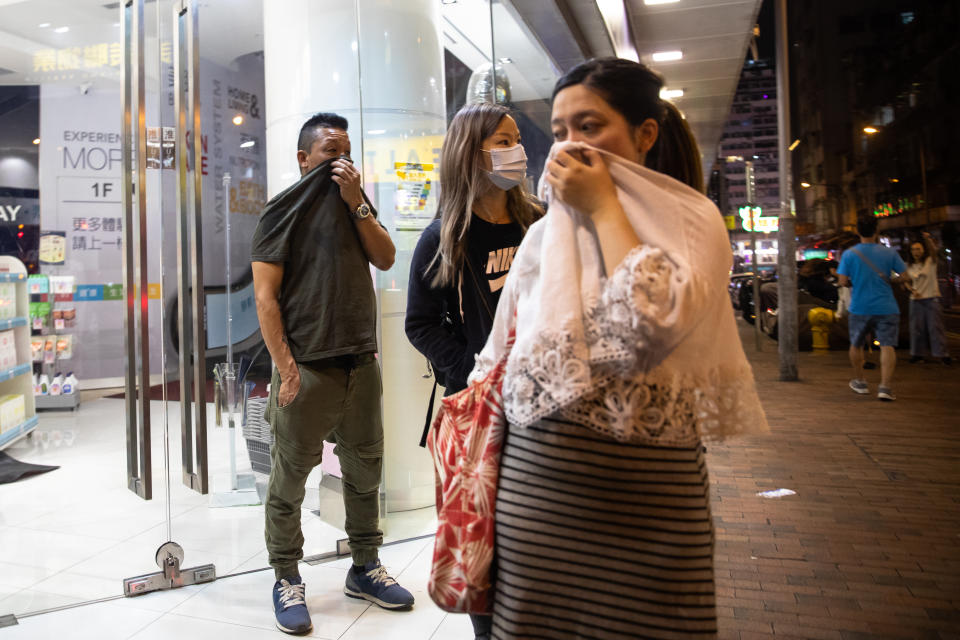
x=451, y=349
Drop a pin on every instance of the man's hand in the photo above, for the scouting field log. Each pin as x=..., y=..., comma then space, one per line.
x=289, y=387
x=348, y=177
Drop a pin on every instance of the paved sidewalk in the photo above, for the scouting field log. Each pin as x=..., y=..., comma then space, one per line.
x=869, y=547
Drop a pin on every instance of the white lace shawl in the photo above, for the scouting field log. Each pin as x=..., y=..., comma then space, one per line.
x=650, y=354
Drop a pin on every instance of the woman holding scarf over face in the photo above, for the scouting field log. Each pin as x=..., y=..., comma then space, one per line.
x=462, y=259
x=627, y=358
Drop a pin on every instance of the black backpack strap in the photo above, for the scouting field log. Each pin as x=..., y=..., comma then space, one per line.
x=426, y=423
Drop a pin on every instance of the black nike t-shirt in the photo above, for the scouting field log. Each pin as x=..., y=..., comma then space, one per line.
x=470, y=304
x=490, y=249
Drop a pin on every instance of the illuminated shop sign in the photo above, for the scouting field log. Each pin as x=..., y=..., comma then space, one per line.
x=88, y=58
x=895, y=207
x=767, y=224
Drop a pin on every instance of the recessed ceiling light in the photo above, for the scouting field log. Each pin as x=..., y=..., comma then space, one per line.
x=376, y=132
x=247, y=144
x=670, y=94
x=667, y=56
x=61, y=29
x=43, y=25
x=506, y=60
x=238, y=119
x=36, y=141
x=652, y=2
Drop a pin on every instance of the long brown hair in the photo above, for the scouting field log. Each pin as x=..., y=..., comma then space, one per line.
x=675, y=152
x=462, y=180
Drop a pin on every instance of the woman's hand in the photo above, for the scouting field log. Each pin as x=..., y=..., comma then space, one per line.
x=580, y=178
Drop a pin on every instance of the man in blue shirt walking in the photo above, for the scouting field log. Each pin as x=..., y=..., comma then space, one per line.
x=871, y=268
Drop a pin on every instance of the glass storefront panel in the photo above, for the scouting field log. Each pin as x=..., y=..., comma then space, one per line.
x=398, y=73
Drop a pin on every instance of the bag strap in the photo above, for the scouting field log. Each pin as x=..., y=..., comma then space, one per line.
x=426, y=424
x=871, y=265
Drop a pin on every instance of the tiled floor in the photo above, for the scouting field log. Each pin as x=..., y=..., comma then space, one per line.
x=74, y=534
x=869, y=547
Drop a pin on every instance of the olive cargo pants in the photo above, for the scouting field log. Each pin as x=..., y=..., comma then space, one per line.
x=338, y=401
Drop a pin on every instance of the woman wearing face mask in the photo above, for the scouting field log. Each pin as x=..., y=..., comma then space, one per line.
x=462, y=259
x=626, y=359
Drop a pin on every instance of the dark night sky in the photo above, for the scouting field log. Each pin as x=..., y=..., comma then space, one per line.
x=767, y=40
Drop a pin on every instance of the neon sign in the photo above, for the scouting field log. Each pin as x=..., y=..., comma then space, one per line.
x=886, y=209
x=767, y=224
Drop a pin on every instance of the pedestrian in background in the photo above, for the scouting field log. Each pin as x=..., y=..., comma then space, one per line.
x=870, y=269
x=927, y=336
x=626, y=358
x=463, y=257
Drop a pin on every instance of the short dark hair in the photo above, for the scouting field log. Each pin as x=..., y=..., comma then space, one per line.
x=308, y=132
x=867, y=226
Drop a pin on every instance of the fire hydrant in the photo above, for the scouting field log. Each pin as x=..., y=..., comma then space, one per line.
x=820, y=320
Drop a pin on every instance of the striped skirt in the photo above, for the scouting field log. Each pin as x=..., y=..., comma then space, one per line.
x=601, y=539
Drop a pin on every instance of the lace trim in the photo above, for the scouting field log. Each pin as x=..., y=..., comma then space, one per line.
x=560, y=369
x=662, y=408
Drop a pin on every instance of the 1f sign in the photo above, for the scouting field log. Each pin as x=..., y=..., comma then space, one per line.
x=101, y=189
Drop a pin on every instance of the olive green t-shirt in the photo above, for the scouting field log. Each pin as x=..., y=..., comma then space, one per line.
x=326, y=297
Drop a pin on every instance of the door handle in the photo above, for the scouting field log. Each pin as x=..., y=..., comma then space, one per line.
x=136, y=335
x=190, y=298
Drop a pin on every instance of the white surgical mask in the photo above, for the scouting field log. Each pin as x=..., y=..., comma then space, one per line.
x=509, y=166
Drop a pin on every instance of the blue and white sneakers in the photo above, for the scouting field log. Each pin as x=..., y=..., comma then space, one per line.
x=373, y=583
x=290, y=606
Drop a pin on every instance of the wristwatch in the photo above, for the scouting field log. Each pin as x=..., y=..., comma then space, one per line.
x=363, y=211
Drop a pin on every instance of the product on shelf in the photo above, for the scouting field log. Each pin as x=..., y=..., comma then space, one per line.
x=49, y=349
x=38, y=284
x=8, y=350
x=12, y=412
x=62, y=285
x=56, y=387
x=64, y=347
x=70, y=384
x=36, y=348
x=8, y=300
x=44, y=385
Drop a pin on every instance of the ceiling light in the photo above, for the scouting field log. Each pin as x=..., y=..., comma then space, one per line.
x=670, y=94
x=238, y=119
x=247, y=144
x=667, y=56
x=794, y=145
x=894, y=180
x=870, y=130
x=653, y=2
x=61, y=29
x=805, y=185
x=506, y=60
x=376, y=132
x=36, y=141
x=44, y=25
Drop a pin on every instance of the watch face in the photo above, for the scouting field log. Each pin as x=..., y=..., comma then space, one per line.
x=363, y=211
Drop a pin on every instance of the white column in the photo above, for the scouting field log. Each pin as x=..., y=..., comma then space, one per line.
x=385, y=75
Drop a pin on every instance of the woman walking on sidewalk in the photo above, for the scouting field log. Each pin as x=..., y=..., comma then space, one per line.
x=626, y=358
x=927, y=336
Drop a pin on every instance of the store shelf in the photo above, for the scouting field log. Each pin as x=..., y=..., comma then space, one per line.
x=14, y=372
x=10, y=323
x=13, y=277
x=69, y=401
x=7, y=438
